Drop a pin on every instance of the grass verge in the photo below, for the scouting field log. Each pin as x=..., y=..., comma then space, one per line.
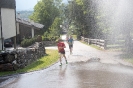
x=125, y=57
x=129, y=60
x=128, y=57
x=94, y=46
x=50, y=58
x=108, y=47
x=74, y=37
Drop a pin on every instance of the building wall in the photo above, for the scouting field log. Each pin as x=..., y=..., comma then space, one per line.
x=8, y=23
x=7, y=20
x=0, y=33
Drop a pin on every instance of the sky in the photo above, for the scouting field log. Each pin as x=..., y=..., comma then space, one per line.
x=27, y=4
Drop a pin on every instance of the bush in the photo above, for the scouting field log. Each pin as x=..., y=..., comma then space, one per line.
x=28, y=42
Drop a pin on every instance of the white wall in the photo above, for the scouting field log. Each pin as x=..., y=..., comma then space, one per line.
x=8, y=22
x=0, y=36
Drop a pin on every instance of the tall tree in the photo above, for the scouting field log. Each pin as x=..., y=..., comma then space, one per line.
x=87, y=17
x=45, y=12
x=79, y=12
x=55, y=29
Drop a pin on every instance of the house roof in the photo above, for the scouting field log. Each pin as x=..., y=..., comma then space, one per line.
x=30, y=23
x=7, y=4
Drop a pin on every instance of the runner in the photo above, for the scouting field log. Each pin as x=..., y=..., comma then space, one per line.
x=61, y=50
x=70, y=42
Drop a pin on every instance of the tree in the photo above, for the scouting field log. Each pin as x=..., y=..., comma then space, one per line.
x=55, y=29
x=79, y=12
x=45, y=12
x=87, y=16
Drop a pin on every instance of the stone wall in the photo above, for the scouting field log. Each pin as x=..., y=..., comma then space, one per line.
x=19, y=58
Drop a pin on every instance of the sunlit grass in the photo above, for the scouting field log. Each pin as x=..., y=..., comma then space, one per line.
x=129, y=60
x=115, y=47
x=128, y=57
x=74, y=37
x=42, y=63
x=109, y=47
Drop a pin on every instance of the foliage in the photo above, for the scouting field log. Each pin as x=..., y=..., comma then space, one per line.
x=42, y=63
x=45, y=12
x=74, y=36
x=28, y=42
x=48, y=37
x=55, y=29
x=88, y=18
x=76, y=16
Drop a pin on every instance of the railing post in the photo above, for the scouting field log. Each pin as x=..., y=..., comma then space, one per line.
x=105, y=44
x=89, y=41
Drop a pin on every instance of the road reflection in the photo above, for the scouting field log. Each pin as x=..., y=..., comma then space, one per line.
x=62, y=72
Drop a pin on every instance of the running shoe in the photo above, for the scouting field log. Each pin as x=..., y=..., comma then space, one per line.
x=66, y=62
x=60, y=64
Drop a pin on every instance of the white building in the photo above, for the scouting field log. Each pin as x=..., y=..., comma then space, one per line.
x=7, y=20
x=10, y=25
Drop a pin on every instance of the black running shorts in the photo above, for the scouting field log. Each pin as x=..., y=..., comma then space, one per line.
x=62, y=52
x=70, y=46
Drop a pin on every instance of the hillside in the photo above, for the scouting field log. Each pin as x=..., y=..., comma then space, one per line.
x=24, y=14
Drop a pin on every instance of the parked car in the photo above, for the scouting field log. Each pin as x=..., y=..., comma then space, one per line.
x=8, y=43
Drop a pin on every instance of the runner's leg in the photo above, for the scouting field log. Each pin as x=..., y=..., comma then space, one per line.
x=70, y=49
x=60, y=59
x=65, y=58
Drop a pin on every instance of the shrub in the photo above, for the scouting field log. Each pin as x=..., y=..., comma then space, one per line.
x=28, y=42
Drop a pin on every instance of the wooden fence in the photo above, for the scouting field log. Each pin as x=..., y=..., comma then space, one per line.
x=98, y=42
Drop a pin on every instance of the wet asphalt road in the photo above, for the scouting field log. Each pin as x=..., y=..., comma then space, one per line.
x=87, y=68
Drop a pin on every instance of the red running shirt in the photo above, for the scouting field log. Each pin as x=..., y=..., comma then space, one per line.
x=61, y=44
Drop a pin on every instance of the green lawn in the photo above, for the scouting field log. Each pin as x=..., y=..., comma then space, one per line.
x=128, y=57
x=129, y=60
x=50, y=58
